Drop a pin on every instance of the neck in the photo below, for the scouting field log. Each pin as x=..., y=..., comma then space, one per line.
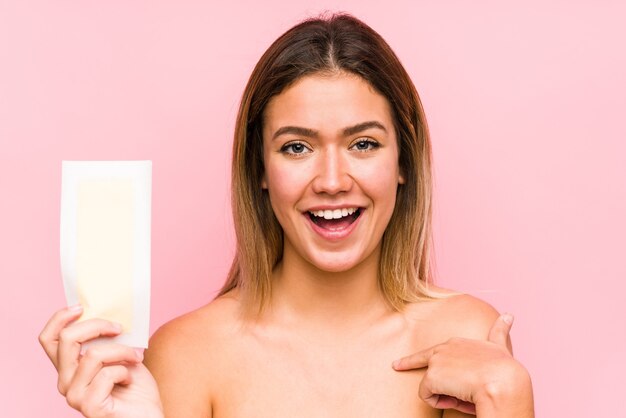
x=308, y=295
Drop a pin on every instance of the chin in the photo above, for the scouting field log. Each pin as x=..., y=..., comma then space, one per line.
x=335, y=264
x=335, y=268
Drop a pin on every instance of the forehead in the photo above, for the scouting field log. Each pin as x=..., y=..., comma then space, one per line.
x=327, y=102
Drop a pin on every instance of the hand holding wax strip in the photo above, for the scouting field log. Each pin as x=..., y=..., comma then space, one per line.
x=105, y=243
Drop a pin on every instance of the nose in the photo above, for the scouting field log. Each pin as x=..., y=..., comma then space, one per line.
x=332, y=172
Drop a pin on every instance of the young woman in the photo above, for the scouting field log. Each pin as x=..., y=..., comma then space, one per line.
x=328, y=310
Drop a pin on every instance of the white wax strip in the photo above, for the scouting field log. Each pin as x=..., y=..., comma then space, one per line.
x=105, y=243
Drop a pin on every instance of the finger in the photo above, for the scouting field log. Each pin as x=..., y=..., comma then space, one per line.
x=95, y=358
x=70, y=340
x=414, y=361
x=499, y=332
x=426, y=392
x=49, y=336
x=450, y=402
x=92, y=400
x=430, y=394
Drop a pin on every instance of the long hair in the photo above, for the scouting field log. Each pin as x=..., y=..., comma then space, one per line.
x=327, y=45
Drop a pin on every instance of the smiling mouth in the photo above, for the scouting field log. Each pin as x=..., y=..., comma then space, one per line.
x=336, y=219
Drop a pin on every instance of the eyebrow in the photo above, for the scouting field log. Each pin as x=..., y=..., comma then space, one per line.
x=311, y=133
x=351, y=130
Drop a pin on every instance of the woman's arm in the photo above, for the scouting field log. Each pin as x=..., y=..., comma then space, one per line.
x=174, y=360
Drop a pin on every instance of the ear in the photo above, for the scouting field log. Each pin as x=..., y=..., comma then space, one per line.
x=264, y=182
x=401, y=179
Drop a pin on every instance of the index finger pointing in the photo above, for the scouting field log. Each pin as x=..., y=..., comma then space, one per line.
x=414, y=361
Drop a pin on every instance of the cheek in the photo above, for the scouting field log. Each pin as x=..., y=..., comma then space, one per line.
x=285, y=186
x=380, y=180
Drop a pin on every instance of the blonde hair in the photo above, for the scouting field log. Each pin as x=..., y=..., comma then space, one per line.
x=339, y=42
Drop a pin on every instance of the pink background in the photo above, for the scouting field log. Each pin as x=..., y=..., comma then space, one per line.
x=526, y=106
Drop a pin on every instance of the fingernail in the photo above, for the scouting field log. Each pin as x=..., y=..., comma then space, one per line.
x=508, y=318
x=75, y=308
x=118, y=327
x=395, y=364
x=139, y=354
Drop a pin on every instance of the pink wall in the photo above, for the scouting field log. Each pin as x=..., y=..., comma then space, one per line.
x=526, y=106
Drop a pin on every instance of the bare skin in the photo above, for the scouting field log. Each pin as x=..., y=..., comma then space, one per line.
x=280, y=368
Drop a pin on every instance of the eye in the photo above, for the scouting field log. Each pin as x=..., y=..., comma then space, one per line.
x=365, y=144
x=295, y=148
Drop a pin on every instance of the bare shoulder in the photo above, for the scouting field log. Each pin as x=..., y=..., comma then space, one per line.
x=198, y=326
x=457, y=315
x=184, y=356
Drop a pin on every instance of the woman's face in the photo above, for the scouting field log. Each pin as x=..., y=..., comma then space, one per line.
x=331, y=168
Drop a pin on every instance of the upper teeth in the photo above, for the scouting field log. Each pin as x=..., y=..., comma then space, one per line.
x=333, y=214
